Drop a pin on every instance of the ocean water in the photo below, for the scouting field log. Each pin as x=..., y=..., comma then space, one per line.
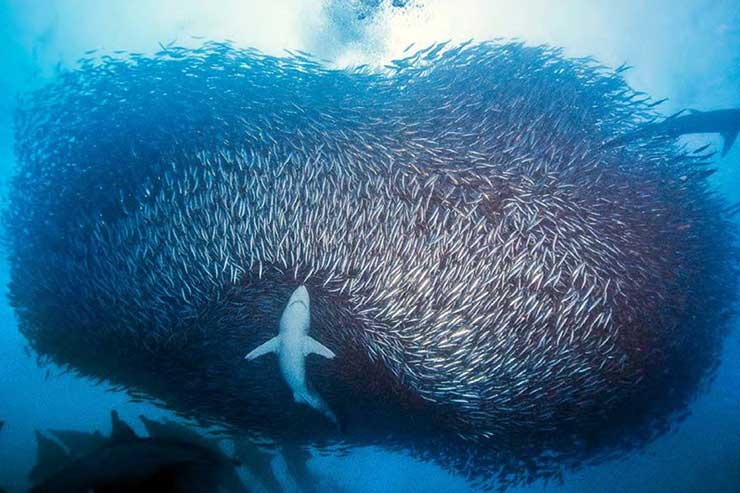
x=686, y=51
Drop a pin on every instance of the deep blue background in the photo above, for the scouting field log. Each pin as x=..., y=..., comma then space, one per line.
x=688, y=51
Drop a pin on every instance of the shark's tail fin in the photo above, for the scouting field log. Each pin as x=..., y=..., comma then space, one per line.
x=315, y=401
x=729, y=138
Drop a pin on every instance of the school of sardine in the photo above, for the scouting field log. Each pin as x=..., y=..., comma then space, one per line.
x=503, y=291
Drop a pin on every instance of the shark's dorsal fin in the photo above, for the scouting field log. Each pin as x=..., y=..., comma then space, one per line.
x=170, y=430
x=119, y=429
x=50, y=458
x=270, y=346
x=729, y=138
x=79, y=443
x=312, y=346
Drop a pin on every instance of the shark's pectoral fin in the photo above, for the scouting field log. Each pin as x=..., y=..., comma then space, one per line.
x=729, y=138
x=311, y=345
x=270, y=346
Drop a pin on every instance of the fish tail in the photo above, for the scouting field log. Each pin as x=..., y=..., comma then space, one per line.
x=315, y=401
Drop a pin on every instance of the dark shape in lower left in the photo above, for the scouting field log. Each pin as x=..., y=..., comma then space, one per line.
x=172, y=459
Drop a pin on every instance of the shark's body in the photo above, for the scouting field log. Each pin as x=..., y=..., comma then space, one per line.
x=724, y=122
x=292, y=345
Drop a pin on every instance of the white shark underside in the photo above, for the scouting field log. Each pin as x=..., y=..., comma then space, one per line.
x=292, y=345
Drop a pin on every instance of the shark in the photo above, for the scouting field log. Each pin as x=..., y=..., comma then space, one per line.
x=171, y=459
x=724, y=122
x=292, y=345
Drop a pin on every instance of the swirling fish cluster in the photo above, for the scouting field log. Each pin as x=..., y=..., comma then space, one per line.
x=503, y=291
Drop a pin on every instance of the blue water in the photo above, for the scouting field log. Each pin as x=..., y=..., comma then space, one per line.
x=688, y=51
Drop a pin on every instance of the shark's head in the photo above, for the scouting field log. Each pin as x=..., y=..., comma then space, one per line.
x=297, y=311
x=300, y=295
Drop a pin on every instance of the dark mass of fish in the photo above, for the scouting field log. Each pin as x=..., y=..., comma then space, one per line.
x=506, y=294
